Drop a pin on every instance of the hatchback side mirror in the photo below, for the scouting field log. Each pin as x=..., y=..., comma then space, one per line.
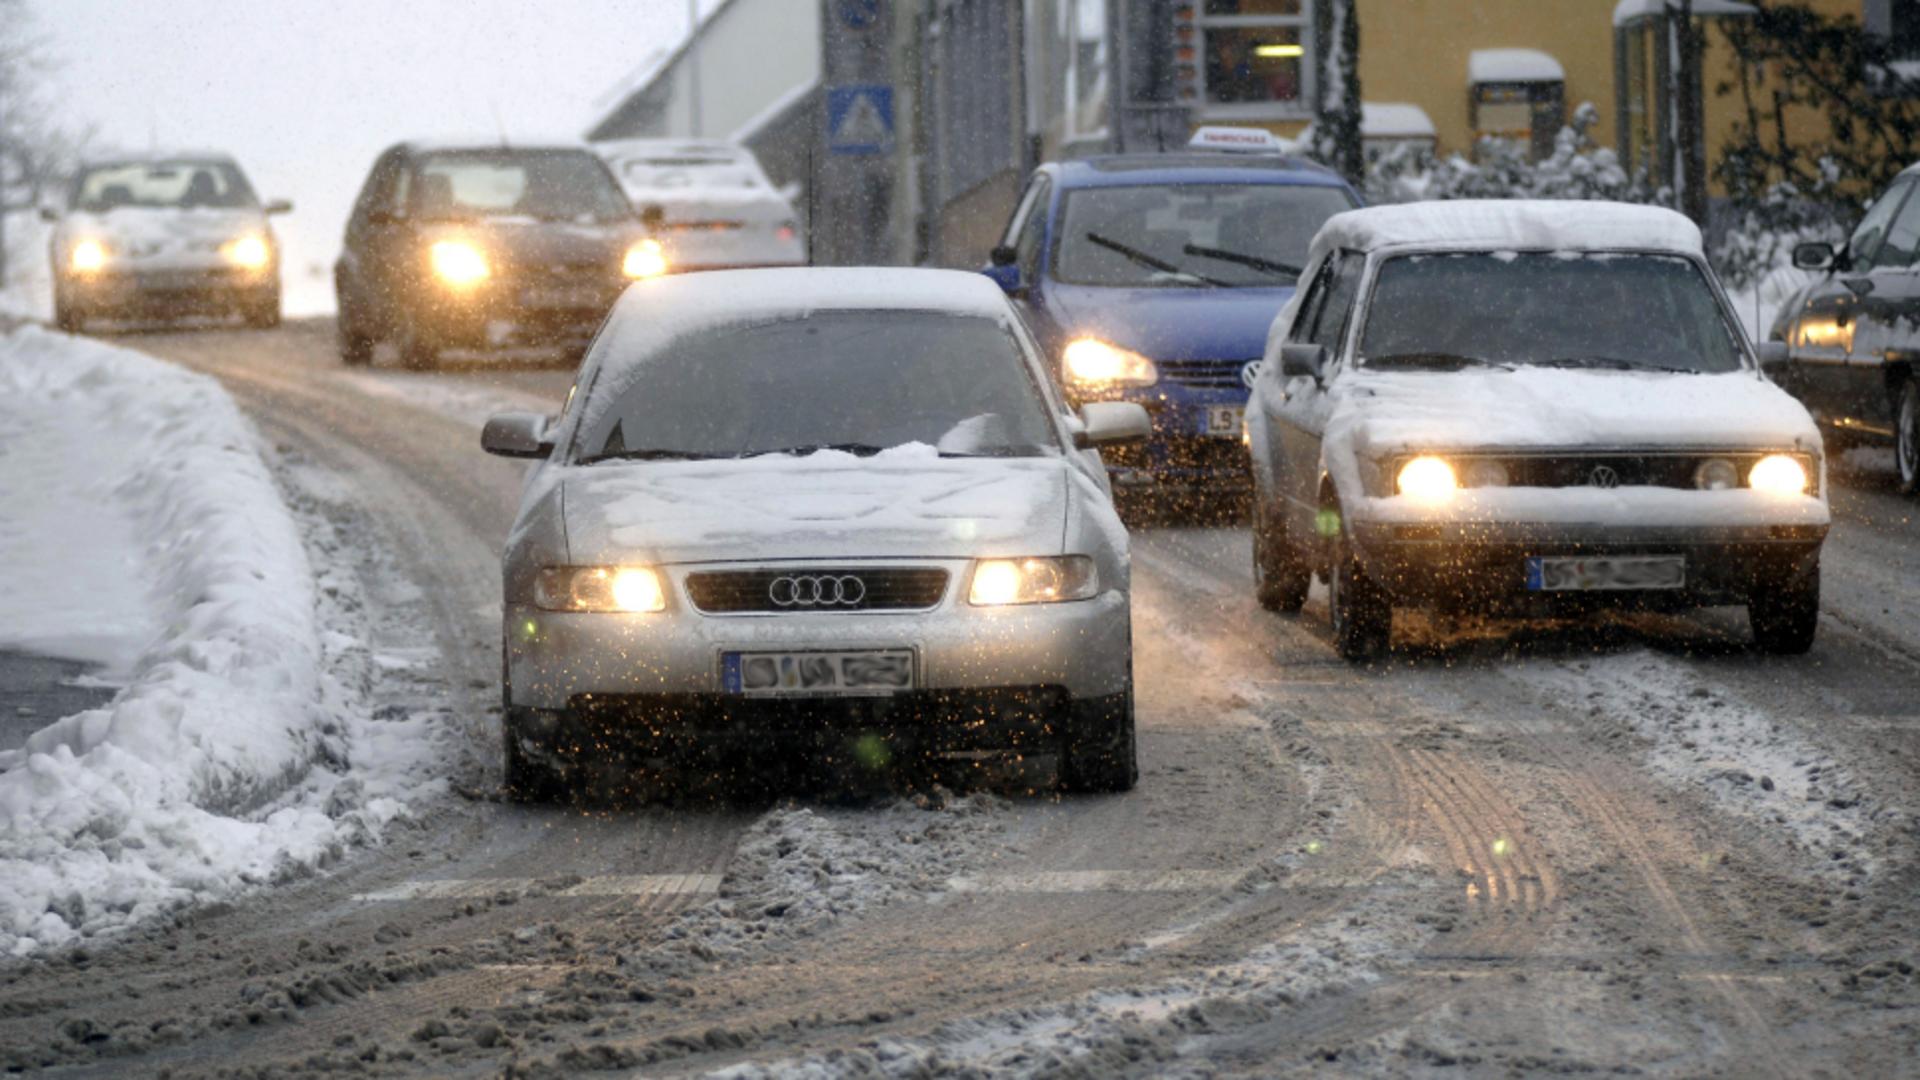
x=516, y=435
x=48, y=213
x=1814, y=256
x=1110, y=423
x=1775, y=358
x=1303, y=361
x=279, y=206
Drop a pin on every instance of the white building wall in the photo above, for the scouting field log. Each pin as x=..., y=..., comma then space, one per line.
x=752, y=53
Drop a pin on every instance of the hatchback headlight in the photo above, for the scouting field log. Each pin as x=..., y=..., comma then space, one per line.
x=1778, y=474
x=646, y=259
x=1428, y=479
x=87, y=257
x=600, y=588
x=1488, y=473
x=1092, y=364
x=249, y=252
x=1716, y=474
x=459, y=263
x=999, y=582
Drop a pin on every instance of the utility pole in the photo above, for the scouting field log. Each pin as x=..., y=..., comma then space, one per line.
x=856, y=131
x=693, y=68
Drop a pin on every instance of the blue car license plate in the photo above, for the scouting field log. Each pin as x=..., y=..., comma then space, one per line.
x=863, y=672
x=1607, y=572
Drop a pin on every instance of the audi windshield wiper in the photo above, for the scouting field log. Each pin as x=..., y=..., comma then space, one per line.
x=1254, y=261
x=1436, y=361
x=1612, y=363
x=645, y=454
x=1135, y=255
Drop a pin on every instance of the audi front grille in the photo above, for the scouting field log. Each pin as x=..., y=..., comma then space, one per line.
x=816, y=590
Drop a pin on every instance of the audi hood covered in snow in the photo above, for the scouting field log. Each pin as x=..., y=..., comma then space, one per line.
x=1529, y=406
x=839, y=508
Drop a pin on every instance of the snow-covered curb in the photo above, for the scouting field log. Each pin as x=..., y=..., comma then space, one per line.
x=181, y=788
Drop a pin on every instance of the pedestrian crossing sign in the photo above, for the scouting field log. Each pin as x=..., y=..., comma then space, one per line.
x=860, y=119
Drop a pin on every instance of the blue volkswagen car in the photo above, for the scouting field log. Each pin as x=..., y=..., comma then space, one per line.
x=1153, y=278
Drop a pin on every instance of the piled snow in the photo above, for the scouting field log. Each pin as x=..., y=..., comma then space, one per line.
x=1511, y=225
x=1627, y=11
x=1395, y=120
x=1513, y=65
x=183, y=786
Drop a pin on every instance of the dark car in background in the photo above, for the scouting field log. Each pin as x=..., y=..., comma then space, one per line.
x=475, y=246
x=164, y=235
x=1854, y=335
x=1153, y=278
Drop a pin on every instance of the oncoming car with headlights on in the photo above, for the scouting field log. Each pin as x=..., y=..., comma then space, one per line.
x=164, y=235
x=843, y=510
x=486, y=246
x=1532, y=408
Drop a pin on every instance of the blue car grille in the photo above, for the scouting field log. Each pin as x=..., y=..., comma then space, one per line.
x=1206, y=374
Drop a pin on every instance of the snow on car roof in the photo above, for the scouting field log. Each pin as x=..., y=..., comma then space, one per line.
x=153, y=157
x=1511, y=224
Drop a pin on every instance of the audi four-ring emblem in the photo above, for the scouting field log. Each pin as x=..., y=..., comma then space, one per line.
x=816, y=590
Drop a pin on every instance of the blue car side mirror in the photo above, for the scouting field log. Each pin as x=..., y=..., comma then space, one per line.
x=1007, y=277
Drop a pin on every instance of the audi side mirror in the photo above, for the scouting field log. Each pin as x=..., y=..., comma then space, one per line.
x=1303, y=361
x=1814, y=256
x=516, y=435
x=1111, y=423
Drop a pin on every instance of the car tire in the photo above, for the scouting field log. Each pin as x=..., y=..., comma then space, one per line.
x=525, y=779
x=1906, y=435
x=68, y=316
x=1101, y=756
x=417, y=351
x=262, y=314
x=1785, y=613
x=1361, y=611
x=1281, y=577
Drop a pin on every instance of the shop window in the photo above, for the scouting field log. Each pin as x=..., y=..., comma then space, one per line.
x=1243, y=57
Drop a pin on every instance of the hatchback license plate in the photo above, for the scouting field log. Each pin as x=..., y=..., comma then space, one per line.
x=564, y=296
x=1225, y=421
x=773, y=674
x=1606, y=572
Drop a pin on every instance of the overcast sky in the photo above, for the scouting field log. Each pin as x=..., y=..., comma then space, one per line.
x=306, y=92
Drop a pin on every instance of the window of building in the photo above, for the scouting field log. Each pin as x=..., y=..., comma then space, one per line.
x=1244, y=57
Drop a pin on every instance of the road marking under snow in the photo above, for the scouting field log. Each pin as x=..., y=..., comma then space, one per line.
x=1098, y=881
x=600, y=886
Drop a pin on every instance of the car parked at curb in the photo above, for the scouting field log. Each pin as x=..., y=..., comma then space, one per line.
x=164, y=235
x=843, y=511
x=1152, y=278
x=478, y=245
x=1533, y=408
x=1854, y=335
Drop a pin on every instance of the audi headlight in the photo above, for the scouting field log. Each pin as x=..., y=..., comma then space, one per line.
x=459, y=263
x=999, y=582
x=646, y=259
x=1716, y=474
x=1090, y=363
x=600, y=588
x=87, y=257
x=1778, y=474
x=1428, y=479
x=249, y=252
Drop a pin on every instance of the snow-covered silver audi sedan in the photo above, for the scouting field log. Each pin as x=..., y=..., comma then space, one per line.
x=838, y=511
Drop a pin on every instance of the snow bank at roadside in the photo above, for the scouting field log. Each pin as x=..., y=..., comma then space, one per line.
x=179, y=789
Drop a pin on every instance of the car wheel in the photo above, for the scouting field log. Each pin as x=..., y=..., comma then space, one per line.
x=1907, y=435
x=263, y=314
x=1102, y=754
x=356, y=347
x=1785, y=613
x=526, y=779
x=1361, y=610
x=68, y=316
x=1280, y=577
x=418, y=351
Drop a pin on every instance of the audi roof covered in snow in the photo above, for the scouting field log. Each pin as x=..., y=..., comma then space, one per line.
x=1153, y=278
x=1531, y=406
x=838, y=508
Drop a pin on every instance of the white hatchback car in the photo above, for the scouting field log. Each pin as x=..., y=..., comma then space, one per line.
x=839, y=511
x=708, y=202
x=1531, y=407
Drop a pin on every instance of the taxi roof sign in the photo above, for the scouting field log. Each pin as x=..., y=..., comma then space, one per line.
x=1238, y=140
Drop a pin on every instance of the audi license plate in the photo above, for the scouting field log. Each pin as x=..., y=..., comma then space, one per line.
x=773, y=674
x=1226, y=421
x=1607, y=572
x=564, y=296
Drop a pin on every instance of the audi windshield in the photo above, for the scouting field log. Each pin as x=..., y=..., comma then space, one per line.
x=856, y=381
x=1558, y=309
x=1192, y=235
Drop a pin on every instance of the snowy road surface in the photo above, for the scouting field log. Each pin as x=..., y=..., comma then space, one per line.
x=1622, y=845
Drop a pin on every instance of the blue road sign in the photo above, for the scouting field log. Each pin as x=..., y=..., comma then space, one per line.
x=859, y=14
x=860, y=119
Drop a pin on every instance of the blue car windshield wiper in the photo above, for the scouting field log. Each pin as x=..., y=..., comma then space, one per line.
x=1135, y=255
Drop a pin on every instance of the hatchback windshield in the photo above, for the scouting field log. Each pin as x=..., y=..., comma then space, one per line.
x=1239, y=235
x=1599, y=310
x=860, y=381
x=549, y=185
x=180, y=185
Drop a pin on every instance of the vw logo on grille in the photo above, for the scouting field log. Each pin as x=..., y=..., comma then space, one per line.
x=823, y=590
x=1603, y=476
x=1250, y=371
